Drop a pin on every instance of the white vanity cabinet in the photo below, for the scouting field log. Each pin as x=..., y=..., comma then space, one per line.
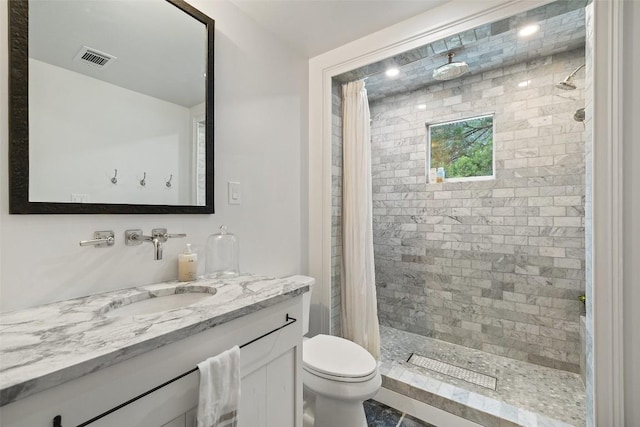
x=271, y=389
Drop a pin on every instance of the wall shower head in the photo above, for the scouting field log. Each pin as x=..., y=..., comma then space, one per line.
x=567, y=83
x=451, y=69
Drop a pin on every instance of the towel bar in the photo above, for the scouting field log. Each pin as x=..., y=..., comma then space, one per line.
x=57, y=420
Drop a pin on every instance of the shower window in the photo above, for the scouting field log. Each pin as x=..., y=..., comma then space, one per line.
x=463, y=149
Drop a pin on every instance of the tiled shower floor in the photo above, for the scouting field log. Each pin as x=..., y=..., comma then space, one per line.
x=526, y=394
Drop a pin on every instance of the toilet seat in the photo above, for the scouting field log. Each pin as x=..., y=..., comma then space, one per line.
x=338, y=359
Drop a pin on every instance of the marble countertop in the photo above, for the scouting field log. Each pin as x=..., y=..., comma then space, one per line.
x=47, y=345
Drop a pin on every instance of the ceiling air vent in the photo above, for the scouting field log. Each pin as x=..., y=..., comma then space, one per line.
x=94, y=57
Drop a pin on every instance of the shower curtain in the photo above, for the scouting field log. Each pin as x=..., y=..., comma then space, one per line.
x=359, y=304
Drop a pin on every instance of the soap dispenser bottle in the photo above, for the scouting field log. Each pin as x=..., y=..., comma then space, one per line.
x=222, y=255
x=187, y=265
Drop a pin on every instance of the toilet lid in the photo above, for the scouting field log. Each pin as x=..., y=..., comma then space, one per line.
x=337, y=358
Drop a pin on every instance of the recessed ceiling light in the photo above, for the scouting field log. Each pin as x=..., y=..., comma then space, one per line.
x=524, y=83
x=392, y=72
x=421, y=106
x=527, y=30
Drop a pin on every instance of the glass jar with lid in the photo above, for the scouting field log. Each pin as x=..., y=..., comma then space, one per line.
x=222, y=255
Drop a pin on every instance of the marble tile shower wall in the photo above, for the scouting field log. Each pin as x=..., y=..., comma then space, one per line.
x=336, y=205
x=498, y=264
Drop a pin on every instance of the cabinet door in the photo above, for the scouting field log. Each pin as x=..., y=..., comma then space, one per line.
x=281, y=391
x=268, y=395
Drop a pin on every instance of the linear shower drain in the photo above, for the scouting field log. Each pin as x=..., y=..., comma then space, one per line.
x=454, y=371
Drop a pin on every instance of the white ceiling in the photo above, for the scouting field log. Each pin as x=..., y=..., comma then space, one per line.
x=316, y=26
x=135, y=32
x=150, y=59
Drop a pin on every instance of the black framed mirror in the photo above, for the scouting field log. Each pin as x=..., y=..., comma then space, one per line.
x=110, y=107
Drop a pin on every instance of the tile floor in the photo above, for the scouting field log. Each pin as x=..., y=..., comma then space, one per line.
x=380, y=415
x=526, y=394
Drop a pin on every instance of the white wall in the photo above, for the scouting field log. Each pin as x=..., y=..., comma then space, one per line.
x=81, y=129
x=260, y=125
x=631, y=213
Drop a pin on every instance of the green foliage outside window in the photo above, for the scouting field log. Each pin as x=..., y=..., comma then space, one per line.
x=463, y=148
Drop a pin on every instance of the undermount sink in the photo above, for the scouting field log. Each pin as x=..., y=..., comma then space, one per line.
x=157, y=301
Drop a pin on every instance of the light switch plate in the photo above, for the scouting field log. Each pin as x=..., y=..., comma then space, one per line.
x=235, y=195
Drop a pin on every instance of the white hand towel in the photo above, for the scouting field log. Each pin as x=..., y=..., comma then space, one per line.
x=219, y=390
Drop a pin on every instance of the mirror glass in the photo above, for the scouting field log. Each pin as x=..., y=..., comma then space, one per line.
x=118, y=105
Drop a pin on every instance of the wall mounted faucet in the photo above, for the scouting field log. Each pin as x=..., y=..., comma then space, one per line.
x=157, y=238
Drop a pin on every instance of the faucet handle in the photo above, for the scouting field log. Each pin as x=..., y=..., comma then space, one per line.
x=101, y=239
x=161, y=234
x=174, y=235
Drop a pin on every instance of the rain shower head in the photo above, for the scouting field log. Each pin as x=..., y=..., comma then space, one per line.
x=567, y=84
x=451, y=69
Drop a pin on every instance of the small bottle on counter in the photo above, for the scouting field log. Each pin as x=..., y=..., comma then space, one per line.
x=187, y=265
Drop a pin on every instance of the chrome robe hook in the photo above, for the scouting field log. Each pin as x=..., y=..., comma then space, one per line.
x=168, y=183
x=143, y=181
x=114, y=180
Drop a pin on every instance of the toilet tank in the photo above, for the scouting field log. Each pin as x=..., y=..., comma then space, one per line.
x=306, y=302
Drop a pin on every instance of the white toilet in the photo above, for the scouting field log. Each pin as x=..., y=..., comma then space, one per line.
x=338, y=376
